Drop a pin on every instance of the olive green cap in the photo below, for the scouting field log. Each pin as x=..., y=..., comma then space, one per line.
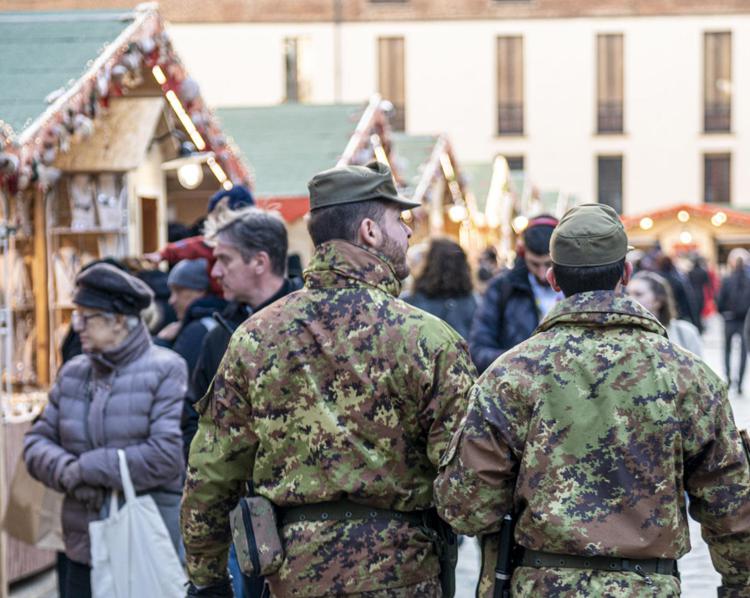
x=352, y=184
x=589, y=235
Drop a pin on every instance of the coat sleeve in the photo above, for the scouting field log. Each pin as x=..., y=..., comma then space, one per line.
x=221, y=461
x=717, y=479
x=453, y=375
x=212, y=349
x=159, y=458
x=44, y=457
x=188, y=343
x=484, y=341
x=477, y=475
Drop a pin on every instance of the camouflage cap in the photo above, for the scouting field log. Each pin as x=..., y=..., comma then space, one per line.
x=352, y=184
x=589, y=235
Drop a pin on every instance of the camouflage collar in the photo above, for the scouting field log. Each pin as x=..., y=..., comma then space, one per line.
x=338, y=264
x=601, y=308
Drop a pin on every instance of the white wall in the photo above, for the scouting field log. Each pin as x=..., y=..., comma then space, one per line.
x=450, y=87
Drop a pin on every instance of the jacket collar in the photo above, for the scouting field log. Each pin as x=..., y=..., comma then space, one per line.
x=601, y=309
x=203, y=307
x=135, y=345
x=340, y=264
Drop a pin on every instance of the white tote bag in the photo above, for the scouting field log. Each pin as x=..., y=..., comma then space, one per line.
x=132, y=555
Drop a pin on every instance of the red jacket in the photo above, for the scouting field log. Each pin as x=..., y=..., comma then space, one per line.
x=192, y=248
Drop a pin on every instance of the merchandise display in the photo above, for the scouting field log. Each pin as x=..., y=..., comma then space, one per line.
x=19, y=292
x=110, y=202
x=82, y=202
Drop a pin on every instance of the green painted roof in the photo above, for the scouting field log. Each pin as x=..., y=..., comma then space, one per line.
x=478, y=177
x=287, y=144
x=42, y=52
x=412, y=152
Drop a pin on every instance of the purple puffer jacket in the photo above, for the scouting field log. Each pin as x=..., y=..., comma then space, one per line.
x=130, y=398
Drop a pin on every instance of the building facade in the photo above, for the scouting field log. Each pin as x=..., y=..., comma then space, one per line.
x=636, y=103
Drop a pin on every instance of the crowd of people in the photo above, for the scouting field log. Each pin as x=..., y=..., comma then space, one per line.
x=342, y=398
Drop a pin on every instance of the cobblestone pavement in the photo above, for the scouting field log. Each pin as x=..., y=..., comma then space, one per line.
x=698, y=576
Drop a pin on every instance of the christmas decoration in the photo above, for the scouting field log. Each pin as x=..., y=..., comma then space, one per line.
x=143, y=49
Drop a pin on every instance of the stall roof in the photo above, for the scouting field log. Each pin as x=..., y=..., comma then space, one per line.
x=478, y=177
x=287, y=144
x=44, y=51
x=122, y=139
x=412, y=151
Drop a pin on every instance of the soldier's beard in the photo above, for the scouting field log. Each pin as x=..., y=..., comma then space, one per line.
x=396, y=257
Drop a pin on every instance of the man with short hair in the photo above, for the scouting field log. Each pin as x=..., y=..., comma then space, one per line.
x=337, y=401
x=250, y=247
x=590, y=433
x=516, y=300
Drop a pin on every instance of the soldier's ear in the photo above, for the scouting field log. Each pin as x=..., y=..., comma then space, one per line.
x=552, y=280
x=370, y=233
x=627, y=274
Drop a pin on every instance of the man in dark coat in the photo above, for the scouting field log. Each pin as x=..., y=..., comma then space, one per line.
x=516, y=300
x=250, y=252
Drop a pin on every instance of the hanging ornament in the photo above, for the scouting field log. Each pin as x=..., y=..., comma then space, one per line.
x=8, y=163
x=102, y=81
x=189, y=90
x=132, y=58
x=83, y=126
x=47, y=176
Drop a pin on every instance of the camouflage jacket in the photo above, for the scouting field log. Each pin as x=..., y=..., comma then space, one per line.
x=592, y=431
x=339, y=390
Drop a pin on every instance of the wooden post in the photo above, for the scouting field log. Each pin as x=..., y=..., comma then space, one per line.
x=41, y=294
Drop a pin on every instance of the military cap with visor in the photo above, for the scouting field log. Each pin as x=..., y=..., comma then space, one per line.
x=589, y=235
x=354, y=184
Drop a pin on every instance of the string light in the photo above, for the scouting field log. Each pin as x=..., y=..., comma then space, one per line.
x=174, y=101
x=159, y=75
x=218, y=171
x=646, y=223
x=718, y=219
x=683, y=216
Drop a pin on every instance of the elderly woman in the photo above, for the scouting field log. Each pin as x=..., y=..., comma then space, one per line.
x=122, y=393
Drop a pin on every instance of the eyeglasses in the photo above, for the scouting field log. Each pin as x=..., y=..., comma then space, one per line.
x=80, y=321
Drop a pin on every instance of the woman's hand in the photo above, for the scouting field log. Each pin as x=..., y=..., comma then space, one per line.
x=170, y=331
x=90, y=496
x=71, y=477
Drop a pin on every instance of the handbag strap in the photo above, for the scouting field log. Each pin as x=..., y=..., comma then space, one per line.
x=127, y=483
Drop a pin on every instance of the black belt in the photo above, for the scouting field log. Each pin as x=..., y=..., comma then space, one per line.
x=344, y=510
x=643, y=567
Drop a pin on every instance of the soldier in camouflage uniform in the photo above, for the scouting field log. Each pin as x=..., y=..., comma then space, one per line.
x=591, y=432
x=337, y=391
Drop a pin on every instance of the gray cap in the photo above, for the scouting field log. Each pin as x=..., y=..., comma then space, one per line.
x=591, y=234
x=352, y=184
x=190, y=274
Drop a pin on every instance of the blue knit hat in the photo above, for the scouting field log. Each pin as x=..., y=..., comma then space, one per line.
x=190, y=274
x=238, y=197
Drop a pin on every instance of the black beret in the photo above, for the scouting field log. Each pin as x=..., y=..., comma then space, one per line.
x=110, y=289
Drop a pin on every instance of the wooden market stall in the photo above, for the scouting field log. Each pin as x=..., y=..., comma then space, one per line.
x=712, y=230
x=96, y=105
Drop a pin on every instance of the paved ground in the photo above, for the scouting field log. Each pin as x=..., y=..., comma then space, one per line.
x=698, y=576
